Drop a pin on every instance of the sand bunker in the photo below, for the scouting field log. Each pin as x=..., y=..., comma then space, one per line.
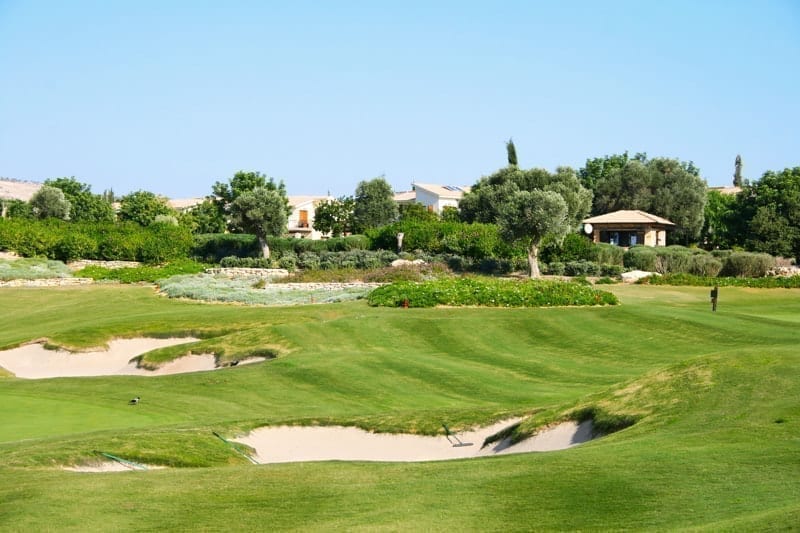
x=287, y=444
x=110, y=466
x=33, y=361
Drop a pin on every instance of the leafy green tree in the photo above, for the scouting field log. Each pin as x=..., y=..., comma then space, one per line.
x=260, y=212
x=600, y=167
x=374, y=205
x=665, y=187
x=450, y=214
x=678, y=194
x=418, y=212
x=50, y=202
x=143, y=207
x=511, y=152
x=19, y=209
x=226, y=193
x=204, y=218
x=529, y=216
x=527, y=205
x=335, y=216
x=719, y=220
x=769, y=211
x=85, y=206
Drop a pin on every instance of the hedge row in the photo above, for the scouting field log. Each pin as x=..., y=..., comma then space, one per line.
x=67, y=241
x=488, y=292
x=680, y=260
x=792, y=282
x=359, y=259
x=214, y=247
x=476, y=241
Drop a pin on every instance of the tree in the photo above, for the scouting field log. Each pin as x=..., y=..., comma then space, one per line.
x=226, y=193
x=204, y=218
x=374, y=205
x=335, y=216
x=737, y=173
x=142, y=207
x=85, y=206
x=665, y=187
x=50, y=202
x=529, y=216
x=417, y=211
x=511, y=152
x=600, y=167
x=528, y=204
x=769, y=214
x=19, y=209
x=719, y=220
x=261, y=212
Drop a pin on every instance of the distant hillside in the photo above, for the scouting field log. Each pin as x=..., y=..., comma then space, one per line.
x=11, y=189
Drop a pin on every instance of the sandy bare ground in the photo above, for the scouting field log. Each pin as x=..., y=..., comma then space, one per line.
x=286, y=444
x=33, y=361
x=109, y=466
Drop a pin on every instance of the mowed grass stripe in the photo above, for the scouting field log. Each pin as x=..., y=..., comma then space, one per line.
x=715, y=445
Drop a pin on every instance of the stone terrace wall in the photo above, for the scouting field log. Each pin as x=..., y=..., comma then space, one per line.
x=46, y=282
x=240, y=272
x=77, y=265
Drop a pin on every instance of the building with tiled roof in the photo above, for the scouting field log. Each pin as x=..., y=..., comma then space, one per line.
x=628, y=228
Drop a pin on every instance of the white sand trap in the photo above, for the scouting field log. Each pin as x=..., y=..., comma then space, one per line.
x=33, y=361
x=108, y=466
x=287, y=444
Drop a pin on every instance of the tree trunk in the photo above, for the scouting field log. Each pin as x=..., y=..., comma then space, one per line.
x=533, y=261
x=262, y=241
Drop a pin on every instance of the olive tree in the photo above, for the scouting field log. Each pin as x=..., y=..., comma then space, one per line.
x=50, y=202
x=260, y=212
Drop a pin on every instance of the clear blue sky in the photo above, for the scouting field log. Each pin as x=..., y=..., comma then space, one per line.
x=171, y=96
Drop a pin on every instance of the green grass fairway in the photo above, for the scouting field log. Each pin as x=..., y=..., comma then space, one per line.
x=716, y=397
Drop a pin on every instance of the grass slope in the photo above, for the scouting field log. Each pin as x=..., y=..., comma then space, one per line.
x=716, y=394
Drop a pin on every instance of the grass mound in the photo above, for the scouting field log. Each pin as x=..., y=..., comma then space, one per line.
x=469, y=291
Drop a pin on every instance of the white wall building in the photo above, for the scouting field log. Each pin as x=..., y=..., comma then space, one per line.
x=301, y=221
x=434, y=197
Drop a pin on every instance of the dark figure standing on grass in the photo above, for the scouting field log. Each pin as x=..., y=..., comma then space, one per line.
x=714, y=296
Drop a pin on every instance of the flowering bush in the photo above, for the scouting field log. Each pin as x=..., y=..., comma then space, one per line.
x=488, y=292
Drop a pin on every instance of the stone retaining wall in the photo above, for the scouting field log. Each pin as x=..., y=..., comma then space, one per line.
x=47, y=282
x=321, y=286
x=241, y=272
x=77, y=265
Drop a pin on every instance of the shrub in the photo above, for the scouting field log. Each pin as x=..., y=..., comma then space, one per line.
x=488, y=292
x=74, y=246
x=792, y=282
x=607, y=254
x=705, y=265
x=163, y=242
x=582, y=268
x=33, y=268
x=611, y=270
x=574, y=247
x=640, y=258
x=747, y=265
x=248, y=291
x=212, y=247
x=288, y=261
x=149, y=274
x=556, y=268
x=245, y=262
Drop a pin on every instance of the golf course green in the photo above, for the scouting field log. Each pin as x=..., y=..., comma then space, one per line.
x=715, y=398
